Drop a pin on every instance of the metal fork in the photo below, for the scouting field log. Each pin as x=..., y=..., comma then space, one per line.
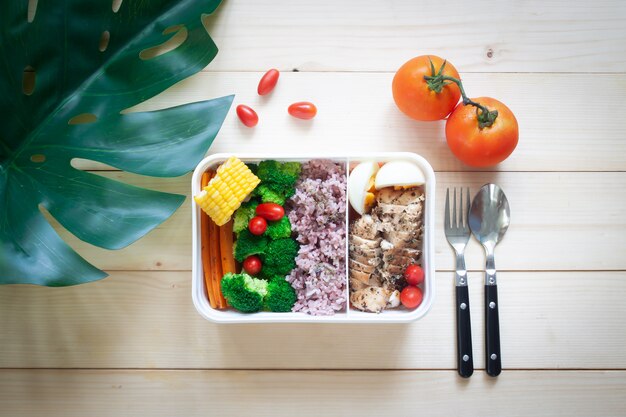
x=457, y=234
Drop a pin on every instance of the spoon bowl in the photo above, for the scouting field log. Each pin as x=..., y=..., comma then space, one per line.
x=490, y=215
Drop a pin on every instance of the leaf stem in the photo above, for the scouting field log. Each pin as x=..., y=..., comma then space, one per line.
x=438, y=80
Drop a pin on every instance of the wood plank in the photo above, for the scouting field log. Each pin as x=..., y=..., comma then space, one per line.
x=565, y=124
x=560, y=221
x=79, y=393
x=529, y=36
x=565, y=221
x=557, y=320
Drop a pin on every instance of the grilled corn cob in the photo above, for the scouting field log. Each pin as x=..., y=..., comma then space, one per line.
x=223, y=195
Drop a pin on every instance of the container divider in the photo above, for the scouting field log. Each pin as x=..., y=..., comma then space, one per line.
x=347, y=226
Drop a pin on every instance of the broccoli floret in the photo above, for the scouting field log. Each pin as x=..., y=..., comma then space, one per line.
x=269, y=195
x=243, y=292
x=280, y=296
x=243, y=215
x=268, y=169
x=279, y=257
x=292, y=168
x=248, y=244
x=279, y=229
x=267, y=272
x=279, y=177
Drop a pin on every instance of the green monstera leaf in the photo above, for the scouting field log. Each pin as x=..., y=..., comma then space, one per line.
x=66, y=75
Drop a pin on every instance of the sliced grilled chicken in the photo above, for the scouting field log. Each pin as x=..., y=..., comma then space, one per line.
x=370, y=269
x=372, y=299
x=402, y=252
x=364, y=243
x=400, y=240
x=391, y=209
x=375, y=299
x=365, y=227
x=376, y=266
x=400, y=261
x=366, y=260
x=360, y=276
x=356, y=284
x=365, y=252
x=400, y=197
x=393, y=281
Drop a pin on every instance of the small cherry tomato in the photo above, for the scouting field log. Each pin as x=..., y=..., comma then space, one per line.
x=252, y=264
x=268, y=82
x=482, y=146
x=303, y=110
x=414, y=274
x=411, y=297
x=257, y=225
x=270, y=211
x=247, y=116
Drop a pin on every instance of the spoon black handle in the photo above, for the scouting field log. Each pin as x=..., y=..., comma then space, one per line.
x=465, y=358
x=493, y=362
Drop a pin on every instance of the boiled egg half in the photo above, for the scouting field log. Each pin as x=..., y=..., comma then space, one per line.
x=361, y=186
x=399, y=174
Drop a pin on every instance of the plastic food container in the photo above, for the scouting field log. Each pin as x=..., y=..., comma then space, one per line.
x=350, y=315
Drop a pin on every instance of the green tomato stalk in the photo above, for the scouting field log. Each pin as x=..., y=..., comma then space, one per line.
x=437, y=80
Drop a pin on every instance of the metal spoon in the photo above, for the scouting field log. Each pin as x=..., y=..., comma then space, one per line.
x=489, y=219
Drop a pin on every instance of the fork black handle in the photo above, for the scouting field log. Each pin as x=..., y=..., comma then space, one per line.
x=465, y=359
x=493, y=362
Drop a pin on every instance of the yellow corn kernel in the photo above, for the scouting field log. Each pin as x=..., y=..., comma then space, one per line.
x=223, y=195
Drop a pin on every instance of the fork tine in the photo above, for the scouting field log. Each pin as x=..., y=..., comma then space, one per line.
x=454, y=210
x=467, y=209
x=446, y=216
x=461, y=224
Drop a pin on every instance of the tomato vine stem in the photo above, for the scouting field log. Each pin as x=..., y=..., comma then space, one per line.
x=438, y=80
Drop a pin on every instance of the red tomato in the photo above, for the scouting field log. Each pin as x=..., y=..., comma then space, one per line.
x=411, y=297
x=303, y=110
x=257, y=225
x=268, y=82
x=252, y=264
x=415, y=97
x=247, y=116
x=270, y=211
x=482, y=147
x=414, y=275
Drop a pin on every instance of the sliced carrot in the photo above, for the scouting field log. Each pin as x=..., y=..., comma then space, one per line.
x=226, y=250
x=216, y=264
x=205, y=239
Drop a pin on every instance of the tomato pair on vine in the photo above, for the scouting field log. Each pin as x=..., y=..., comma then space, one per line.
x=480, y=132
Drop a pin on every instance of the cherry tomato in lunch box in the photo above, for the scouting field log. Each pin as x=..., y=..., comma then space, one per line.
x=411, y=297
x=414, y=274
x=247, y=116
x=270, y=211
x=257, y=225
x=268, y=82
x=252, y=264
x=302, y=110
x=486, y=146
x=421, y=99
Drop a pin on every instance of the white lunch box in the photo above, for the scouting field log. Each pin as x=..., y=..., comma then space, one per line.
x=350, y=315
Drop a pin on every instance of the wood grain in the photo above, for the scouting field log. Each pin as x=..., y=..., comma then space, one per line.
x=560, y=66
x=560, y=221
x=353, y=35
x=560, y=129
x=549, y=320
x=79, y=393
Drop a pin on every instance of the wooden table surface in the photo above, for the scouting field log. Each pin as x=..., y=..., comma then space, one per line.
x=133, y=344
